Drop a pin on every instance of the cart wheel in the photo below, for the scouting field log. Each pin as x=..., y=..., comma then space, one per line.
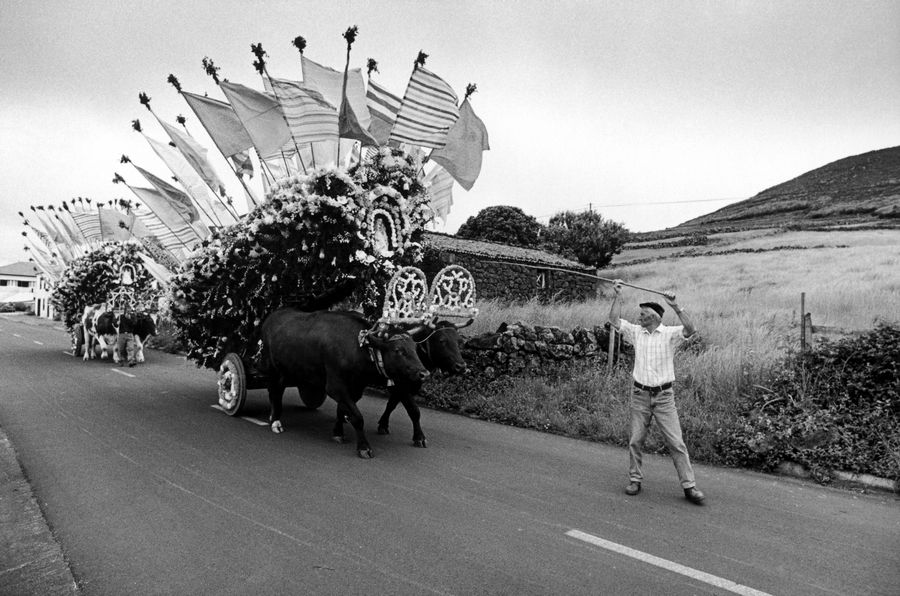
x=232, y=384
x=309, y=402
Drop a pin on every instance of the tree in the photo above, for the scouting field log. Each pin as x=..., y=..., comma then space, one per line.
x=585, y=237
x=502, y=223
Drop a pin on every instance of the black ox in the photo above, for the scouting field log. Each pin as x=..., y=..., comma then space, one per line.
x=336, y=354
x=438, y=349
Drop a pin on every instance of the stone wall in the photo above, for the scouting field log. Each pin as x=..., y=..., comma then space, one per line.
x=533, y=350
x=509, y=281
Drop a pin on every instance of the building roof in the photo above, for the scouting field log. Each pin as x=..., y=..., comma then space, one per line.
x=21, y=269
x=501, y=252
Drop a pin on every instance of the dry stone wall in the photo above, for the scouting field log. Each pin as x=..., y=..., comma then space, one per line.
x=521, y=349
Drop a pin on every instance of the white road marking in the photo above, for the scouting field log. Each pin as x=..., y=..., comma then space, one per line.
x=69, y=353
x=122, y=372
x=255, y=421
x=696, y=574
x=16, y=335
x=40, y=343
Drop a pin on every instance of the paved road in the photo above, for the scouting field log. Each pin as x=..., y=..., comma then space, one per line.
x=150, y=490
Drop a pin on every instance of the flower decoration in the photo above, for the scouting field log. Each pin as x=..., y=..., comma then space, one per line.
x=94, y=278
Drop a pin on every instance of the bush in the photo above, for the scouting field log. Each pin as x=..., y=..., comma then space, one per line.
x=836, y=407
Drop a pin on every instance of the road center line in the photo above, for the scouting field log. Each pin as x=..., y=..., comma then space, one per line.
x=40, y=343
x=16, y=335
x=122, y=372
x=250, y=419
x=696, y=574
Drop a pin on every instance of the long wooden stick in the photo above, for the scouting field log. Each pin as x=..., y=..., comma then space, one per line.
x=611, y=281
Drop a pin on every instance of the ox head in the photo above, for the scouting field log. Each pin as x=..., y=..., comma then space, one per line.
x=438, y=346
x=398, y=354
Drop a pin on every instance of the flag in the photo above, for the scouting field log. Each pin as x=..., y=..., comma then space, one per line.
x=195, y=154
x=88, y=223
x=261, y=115
x=427, y=112
x=115, y=225
x=243, y=166
x=439, y=185
x=172, y=206
x=383, y=107
x=196, y=188
x=467, y=139
x=156, y=270
x=330, y=84
x=310, y=117
x=222, y=124
x=163, y=222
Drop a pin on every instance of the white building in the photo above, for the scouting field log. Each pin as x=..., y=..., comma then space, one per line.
x=23, y=283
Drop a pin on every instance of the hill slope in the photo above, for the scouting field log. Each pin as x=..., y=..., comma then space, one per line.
x=854, y=190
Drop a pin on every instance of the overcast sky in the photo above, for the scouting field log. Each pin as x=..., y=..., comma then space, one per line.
x=651, y=112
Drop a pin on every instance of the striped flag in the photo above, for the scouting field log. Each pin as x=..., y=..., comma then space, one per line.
x=383, y=108
x=88, y=223
x=309, y=115
x=427, y=112
x=195, y=154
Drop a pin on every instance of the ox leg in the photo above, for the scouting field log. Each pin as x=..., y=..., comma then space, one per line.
x=138, y=348
x=276, y=393
x=412, y=408
x=88, y=346
x=384, y=421
x=337, y=433
x=347, y=406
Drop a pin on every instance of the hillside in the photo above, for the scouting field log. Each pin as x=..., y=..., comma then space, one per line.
x=857, y=190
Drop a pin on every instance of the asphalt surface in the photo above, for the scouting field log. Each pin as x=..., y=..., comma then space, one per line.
x=149, y=490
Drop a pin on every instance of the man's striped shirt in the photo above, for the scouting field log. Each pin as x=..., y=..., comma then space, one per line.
x=654, y=353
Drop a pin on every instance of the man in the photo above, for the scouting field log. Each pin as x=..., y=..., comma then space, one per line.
x=652, y=395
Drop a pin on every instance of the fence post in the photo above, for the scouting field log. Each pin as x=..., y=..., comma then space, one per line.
x=802, y=321
x=611, y=352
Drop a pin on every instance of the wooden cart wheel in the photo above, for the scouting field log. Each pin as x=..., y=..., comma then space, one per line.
x=310, y=402
x=232, y=383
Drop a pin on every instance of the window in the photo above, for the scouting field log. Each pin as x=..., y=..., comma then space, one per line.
x=542, y=280
x=4, y=282
x=23, y=284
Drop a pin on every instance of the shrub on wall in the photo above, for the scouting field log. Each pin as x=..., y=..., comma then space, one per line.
x=835, y=407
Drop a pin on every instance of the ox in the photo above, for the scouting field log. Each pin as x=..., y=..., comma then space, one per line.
x=334, y=353
x=438, y=349
x=134, y=327
x=99, y=328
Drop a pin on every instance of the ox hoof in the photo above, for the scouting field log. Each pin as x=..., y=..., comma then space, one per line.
x=383, y=430
x=365, y=453
x=337, y=439
x=276, y=427
x=420, y=443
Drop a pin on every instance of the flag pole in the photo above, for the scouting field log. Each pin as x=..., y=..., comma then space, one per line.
x=300, y=43
x=260, y=66
x=175, y=83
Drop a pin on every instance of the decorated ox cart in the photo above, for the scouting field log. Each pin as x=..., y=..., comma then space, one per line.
x=410, y=303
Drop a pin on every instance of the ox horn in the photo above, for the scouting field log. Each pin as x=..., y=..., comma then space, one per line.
x=462, y=325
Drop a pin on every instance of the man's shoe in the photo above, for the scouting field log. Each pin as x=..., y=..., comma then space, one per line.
x=633, y=489
x=694, y=496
